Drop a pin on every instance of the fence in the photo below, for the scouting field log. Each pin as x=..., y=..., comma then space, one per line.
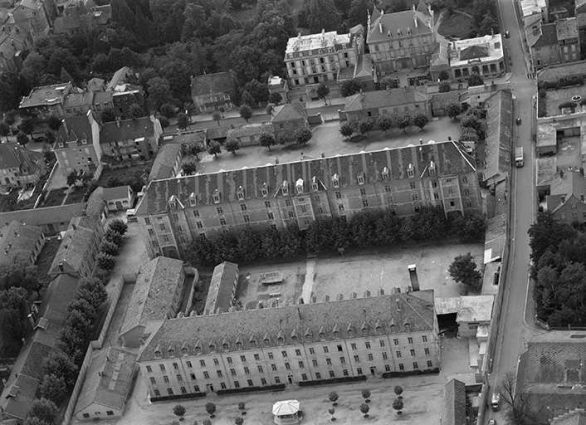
x=118, y=284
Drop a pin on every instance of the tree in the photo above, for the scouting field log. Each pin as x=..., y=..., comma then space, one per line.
x=109, y=248
x=453, y=110
x=44, y=410
x=60, y=365
x=364, y=126
x=276, y=98
x=322, y=15
x=350, y=87
x=333, y=397
x=20, y=275
x=444, y=76
x=470, y=228
x=463, y=270
x=22, y=139
x=135, y=111
x=168, y=110
x=384, y=123
x=83, y=307
x=346, y=130
x=118, y=225
x=92, y=290
x=188, y=167
x=113, y=236
x=518, y=412
x=214, y=149
x=475, y=80
x=232, y=145
x=108, y=115
x=106, y=261
x=323, y=91
x=10, y=87
x=211, y=409
x=331, y=411
x=245, y=112
x=4, y=129
x=398, y=391
x=179, y=411
x=53, y=388
x=35, y=421
x=471, y=121
x=267, y=140
x=183, y=121
x=54, y=123
x=444, y=87
x=26, y=126
x=420, y=120
x=159, y=92
x=302, y=136
x=398, y=405
x=405, y=122
x=365, y=408
x=164, y=121
x=217, y=116
x=366, y=395
x=72, y=178
x=242, y=408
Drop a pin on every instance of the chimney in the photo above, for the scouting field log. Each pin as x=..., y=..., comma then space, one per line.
x=413, y=276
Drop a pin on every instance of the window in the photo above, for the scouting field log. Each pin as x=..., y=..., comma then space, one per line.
x=246, y=370
x=166, y=379
x=367, y=344
x=401, y=367
x=288, y=202
x=284, y=353
x=361, y=178
x=291, y=214
x=229, y=360
x=365, y=203
x=429, y=363
x=149, y=369
x=342, y=360
x=314, y=362
x=414, y=196
x=206, y=375
x=412, y=352
x=236, y=384
x=271, y=356
x=311, y=350
x=304, y=377
x=192, y=376
x=233, y=372
x=396, y=341
x=170, y=391
x=162, y=227
x=162, y=367
x=426, y=351
x=317, y=375
x=260, y=369
x=340, y=349
x=301, y=365
x=220, y=210
x=202, y=363
x=326, y=349
x=270, y=215
x=183, y=390
x=398, y=354
x=359, y=370
x=341, y=207
x=256, y=357
x=180, y=378
x=385, y=355
x=287, y=366
x=147, y=221
x=222, y=221
x=219, y=372
x=153, y=380
x=189, y=364
x=382, y=342
x=196, y=213
x=415, y=366
x=353, y=345
x=356, y=358
x=363, y=192
x=250, y=383
x=338, y=195
x=243, y=207
x=297, y=352
x=110, y=413
x=410, y=340
x=274, y=367
x=370, y=357
x=196, y=388
x=277, y=380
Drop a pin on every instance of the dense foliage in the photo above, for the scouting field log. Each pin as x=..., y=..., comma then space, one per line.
x=558, y=252
x=369, y=229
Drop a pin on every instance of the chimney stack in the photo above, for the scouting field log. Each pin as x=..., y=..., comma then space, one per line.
x=413, y=276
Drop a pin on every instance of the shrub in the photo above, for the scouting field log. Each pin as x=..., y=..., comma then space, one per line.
x=119, y=226
x=109, y=248
x=106, y=261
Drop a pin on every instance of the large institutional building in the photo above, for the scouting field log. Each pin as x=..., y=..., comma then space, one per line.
x=293, y=344
x=175, y=211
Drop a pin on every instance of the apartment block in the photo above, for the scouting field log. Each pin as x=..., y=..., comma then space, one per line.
x=175, y=211
x=389, y=334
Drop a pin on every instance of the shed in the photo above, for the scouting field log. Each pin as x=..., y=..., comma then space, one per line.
x=118, y=198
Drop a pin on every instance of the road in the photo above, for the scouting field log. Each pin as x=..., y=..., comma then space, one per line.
x=514, y=331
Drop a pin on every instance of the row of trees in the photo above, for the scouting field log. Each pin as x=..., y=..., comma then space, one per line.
x=110, y=246
x=365, y=230
x=383, y=123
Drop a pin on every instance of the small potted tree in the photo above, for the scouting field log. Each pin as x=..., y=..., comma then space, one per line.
x=365, y=408
x=239, y=420
x=398, y=391
x=333, y=396
x=331, y=411
x=398, y=406
x=179, y=411
x=366, y=395
x=211, y=409
x=242, y=408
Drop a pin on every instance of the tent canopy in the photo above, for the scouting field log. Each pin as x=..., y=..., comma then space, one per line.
x=286, y=407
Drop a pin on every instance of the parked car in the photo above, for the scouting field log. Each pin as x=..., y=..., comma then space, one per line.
x=518, y=121
x=507, y=34
x=492, y=422
x=495, y=401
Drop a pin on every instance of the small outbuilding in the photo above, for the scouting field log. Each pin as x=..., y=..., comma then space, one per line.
x=118, y=198
x=286, y=412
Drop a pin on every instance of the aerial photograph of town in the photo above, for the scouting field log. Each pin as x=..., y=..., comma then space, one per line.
x=258, y=212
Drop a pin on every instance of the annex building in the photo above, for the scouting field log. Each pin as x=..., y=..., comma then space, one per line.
x=289, y=345
x=175, y=211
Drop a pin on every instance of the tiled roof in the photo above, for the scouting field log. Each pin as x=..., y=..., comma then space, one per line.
x=289, y=112
x=74, y=100
x=548, y=36
x=274, y=327
x=448, y=157
x=474, y=52
x=454, y=403
x=164, y=163
x=43, y=216
x=499, y=123
x=153, y=293
x=572, y=183
x=115, y=193
x=382, y=23
x=61, y=291
x=249, y=130
x=220, y=82
x=385, y=98
x=74, y=129
x=17, y=242
x=108, y=379
x=566, y=28
x=220, y=291
x=126, y=130
x=119, y=77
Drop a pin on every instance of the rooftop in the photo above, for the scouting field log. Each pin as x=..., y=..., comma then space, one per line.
x=164, y=163
x=130, y=129
x=288, y=112
x=153, y=294
x=475, y=308
x=17, y=242
x=555, y=72
x=385, y=98
x=546, y=135
x=74, y=129
x=220, y=296
x=46, y=95
x=115, y=193
x=250, y=130
x=567, y=28
x=548, y=37
x=119, y=77
x=454, y=403
x=220, y=82
x=76, y=100
x=563, y=96
x=448, y=159
x=564, y=186
x=499, y=124
x=389, y=26
x=316, y=43
x=477, y=50
x=43, y=216
x=275, y=327
x=530, y=7
x=13, y=155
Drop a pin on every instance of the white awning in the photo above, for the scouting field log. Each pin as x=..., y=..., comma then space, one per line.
x=287, y=407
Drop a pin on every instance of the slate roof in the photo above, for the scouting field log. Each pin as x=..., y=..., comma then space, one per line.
x=454, y=403
x=74, y=129
x=474, y=52
x=119, y=77
x=499, y=133
x=404, y=21
x=278, y=326
x=220, y=291
x=17, y=242
x=115, y=193
x=250, y=130
x=289, y=112
x=13, y=155
x=448, y=157
x=43, y=216
x=220, y=82
x=164, y=163
x=566, y=28
x=153, y=293
x=574, y=417
x=126, y=130
x=548, y=36
x=384, y=99
x=572, y=183
x=108, y=380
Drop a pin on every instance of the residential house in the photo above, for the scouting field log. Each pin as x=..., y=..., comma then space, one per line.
x=33, y=16
x=558, y=43
x=290, y=345
x=222, y=290
x=211, y=92
x=20, y=243
x=175, y=211
x=390, y=102
x=454, y=403
x=42, y=102
x=249, y=134
x=79, y=15
x=118, y=198
x=156, y=296
x=51, y=219
x=20, y=167
x=132, y=139
x=566, y=199
x=120, y=77
x=167, y=164
x=279, y=85
x=534, y=13
x=287, y=119
x=14, y=44
x=77, y=145
x=568, y=39
x=499, y=133
x=107, y=386
x=79, y=103
x=79, y=248
x=474, y=311
x=400, y=41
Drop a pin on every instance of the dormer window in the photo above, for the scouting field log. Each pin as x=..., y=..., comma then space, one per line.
x=314, y=185
x=158, y=354
x=216, y=196
x=410, y=170
x=252, y=341
x=385, y=173
x=299, y=186
x=280, y=340
x=212, y=346
x=60, y=144
x=432, y=168
x=192, y=200
x=285, y=188
x=407, y=327
x=84, y=141
x=264, y=190
x=335, y=181
x=364, y=328
x=308, y=335
x=239, y=345
x=361, y=178
x=266, y=340
x=197, y=348
x=171, y=352
x=240, y=193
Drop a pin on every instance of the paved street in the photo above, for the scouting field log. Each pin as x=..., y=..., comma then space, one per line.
x=514, y=330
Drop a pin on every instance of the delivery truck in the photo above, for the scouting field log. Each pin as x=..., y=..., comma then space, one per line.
x=519, y=156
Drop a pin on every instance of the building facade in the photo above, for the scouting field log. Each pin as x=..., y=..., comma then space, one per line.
x=77, y=145
x=289, y=345
x=20, y=167
x=483, y=56
x=388, y=103
x=173, y=212
x=42, y=102
x=287, y=120
x=134, y=139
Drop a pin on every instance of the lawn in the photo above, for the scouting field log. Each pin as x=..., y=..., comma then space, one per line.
x=456, y=25
x=124, y=176
x=76, y=196
x=54, y=198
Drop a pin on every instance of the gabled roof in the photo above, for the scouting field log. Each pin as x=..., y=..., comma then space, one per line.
x=61, y=291
x=13, y=155
x=17, y=242
x=448, y=157
x=385, y=98
x=278, y=326
x=289, y=112
x=108, y=380
x=119, y=77
x=74, y=129
x=548, y=36
x=43, y=216
x=153, y=294
x=164, y=163
x=474, y=52
x=499, y=124
x=563, y=187
x=130, y=129
x=220, y=82
x=250, y=130
x=454, y=403
x=115, y=193
x=219, y=296
x=406, y=22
